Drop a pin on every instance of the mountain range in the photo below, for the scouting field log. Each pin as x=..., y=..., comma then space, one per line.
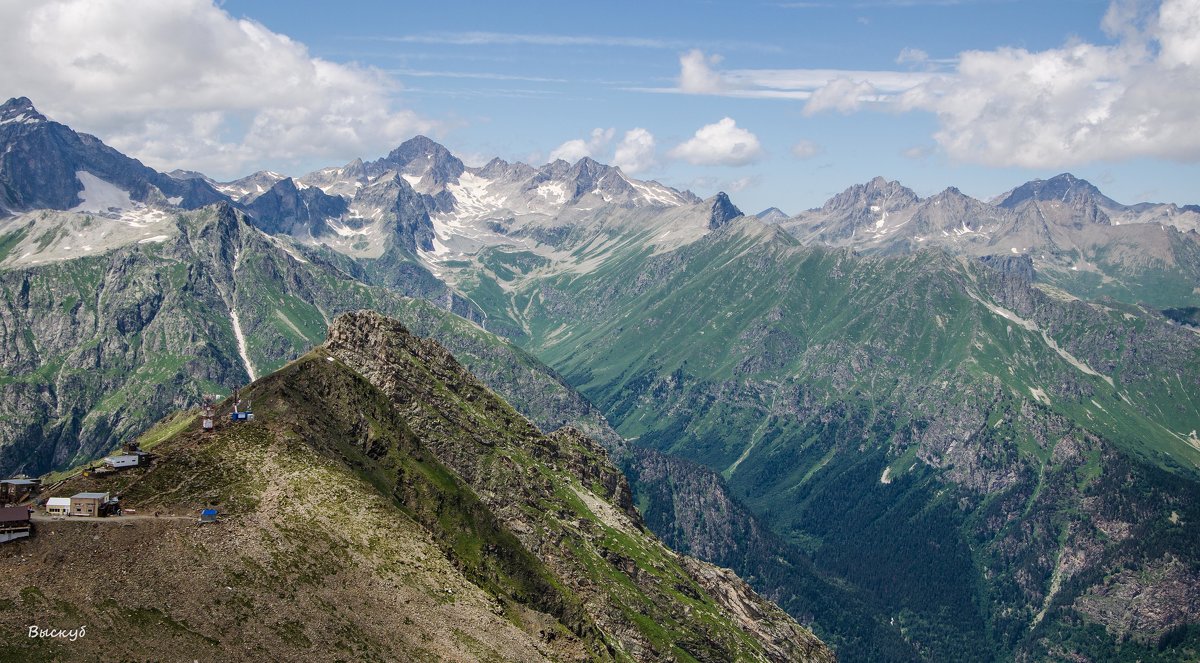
x=1078, y=238
x=931, y=428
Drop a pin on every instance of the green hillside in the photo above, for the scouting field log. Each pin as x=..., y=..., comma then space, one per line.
x=906, y=420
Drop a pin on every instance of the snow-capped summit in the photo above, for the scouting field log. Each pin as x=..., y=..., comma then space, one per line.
x=47, y=165
x=20, y=110
x=247, y=188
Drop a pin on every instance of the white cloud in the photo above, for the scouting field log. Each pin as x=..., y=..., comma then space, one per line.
x=841, y=94
x=574, y=150
x=1078, y=103
x=743, y=183
x=478, y=38
x=183, y=84
x=1134, y=98
x=917, y=152
x=723, y=143
x=912, y=56
x=635, y=152
x=806, y=149
x=696, y=75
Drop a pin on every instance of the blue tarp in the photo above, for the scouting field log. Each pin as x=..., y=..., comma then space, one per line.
x=208, y=512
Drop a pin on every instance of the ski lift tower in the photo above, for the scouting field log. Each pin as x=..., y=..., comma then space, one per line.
x=207, y=413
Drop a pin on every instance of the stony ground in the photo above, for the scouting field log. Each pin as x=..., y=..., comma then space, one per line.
x=329, y=574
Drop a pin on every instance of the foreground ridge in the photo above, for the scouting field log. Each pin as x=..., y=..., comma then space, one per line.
x=382, y=504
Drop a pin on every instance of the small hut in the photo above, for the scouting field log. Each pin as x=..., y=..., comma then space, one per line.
x=89, y=505
x=16, y=490
x=58, y=506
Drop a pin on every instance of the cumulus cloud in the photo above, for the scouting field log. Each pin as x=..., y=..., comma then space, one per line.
x=574, y=150
x=1078, y=103
x=722, y=143
x=696, y=74
x=1133, y=98
x=635, y=152
x=184, y=84
x=806, y=149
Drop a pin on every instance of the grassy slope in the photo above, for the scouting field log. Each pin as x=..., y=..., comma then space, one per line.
x=309, y=560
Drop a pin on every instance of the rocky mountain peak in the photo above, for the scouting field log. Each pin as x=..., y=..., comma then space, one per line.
x=951, y=196
x=363, y=331
x=1080, y=201
x=20, y=110
x=590, y=175
x=286, y=186
x=41, y=162
x=295, y=209
x=181, y=174
x=355, y=169
x=723, y=211
x=556, y=169
x=772, y=215
x=1064, y=187
x=873, y=192
x=420, y=155
x=588, y=166
x=498, y=168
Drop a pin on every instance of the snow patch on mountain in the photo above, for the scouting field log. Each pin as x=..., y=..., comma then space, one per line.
x=23, y=118
x=99, y=195
x=57, y=236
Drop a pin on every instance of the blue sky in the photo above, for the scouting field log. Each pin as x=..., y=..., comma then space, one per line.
x=800, y=99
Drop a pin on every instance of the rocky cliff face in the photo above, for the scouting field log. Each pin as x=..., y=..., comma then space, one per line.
x=694, y=512
x=98, y=347
x=40, y=166
x=284, y=208
x=723, y=211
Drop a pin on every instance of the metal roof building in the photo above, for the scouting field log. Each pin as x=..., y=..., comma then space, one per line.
x=58, y=506
x=14, y=523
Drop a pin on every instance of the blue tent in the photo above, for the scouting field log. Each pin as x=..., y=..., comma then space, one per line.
x=208, y=516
